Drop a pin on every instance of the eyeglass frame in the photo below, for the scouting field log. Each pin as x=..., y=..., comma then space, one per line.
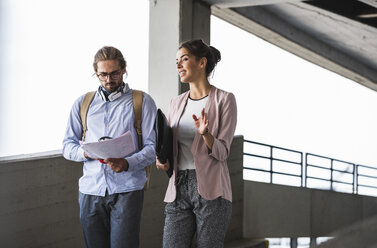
x=111, y=75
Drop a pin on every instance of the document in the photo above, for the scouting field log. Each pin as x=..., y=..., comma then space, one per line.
x=118, y=147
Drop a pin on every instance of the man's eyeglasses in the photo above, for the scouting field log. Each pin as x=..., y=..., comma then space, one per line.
x=115, y=75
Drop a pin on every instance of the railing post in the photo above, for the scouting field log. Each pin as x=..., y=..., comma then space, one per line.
x=271, y=161
x=302, y=170
x=306, y=170
x=313, y=242
x=356, y=178
x=331, y=175
x=294, y=243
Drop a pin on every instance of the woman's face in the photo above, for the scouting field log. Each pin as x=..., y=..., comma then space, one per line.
x=189, y=69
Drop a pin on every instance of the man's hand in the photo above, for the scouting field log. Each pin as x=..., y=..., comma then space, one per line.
x=86, y=156
x=117, y=164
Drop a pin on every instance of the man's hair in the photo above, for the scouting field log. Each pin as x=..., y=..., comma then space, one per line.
x=109, y=53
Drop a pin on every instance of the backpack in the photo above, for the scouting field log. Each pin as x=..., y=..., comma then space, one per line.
x=137, y=97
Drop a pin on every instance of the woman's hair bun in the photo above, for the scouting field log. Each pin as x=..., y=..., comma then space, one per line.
x=215, y=53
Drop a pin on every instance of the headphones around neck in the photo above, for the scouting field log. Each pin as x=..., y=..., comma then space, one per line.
x=114, y=95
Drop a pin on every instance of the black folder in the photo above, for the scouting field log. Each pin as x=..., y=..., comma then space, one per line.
x=164, y=140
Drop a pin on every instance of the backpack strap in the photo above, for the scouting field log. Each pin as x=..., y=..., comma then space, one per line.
x=88, y=98
x=137, y=97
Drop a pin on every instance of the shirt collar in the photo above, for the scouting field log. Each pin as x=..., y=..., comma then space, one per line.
x=123, y=87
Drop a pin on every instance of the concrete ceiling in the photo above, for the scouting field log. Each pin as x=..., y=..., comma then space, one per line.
x=339, y=35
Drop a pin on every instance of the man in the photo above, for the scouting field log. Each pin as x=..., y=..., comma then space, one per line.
x=111, y=193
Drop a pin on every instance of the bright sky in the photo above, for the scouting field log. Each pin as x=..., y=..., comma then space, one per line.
x=48, y=49
x=282, y=99
x=286, y=101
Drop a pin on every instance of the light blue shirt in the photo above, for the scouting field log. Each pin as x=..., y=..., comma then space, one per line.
x=111, y=118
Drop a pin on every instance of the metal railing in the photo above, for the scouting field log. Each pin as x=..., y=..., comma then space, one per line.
x=277, y=157
x=278, y=165
x=335, y=174
x=366, y=179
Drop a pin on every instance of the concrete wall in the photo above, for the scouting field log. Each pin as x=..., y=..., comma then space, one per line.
x=39, y=203
x=39, y=208
x=272, y=210
x=235, y=164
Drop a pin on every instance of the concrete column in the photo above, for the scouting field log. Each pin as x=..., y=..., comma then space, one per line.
x=170, y=23
x=164, y=22
x=194, y=24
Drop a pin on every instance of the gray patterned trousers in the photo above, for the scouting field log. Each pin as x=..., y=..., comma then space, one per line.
x=190, y=214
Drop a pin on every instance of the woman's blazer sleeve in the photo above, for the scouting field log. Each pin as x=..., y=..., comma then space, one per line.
x=226, y=128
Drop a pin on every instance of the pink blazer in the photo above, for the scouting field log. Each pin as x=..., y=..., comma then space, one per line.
x=211, y=166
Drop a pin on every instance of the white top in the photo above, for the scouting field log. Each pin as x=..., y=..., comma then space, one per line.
x=186, y=131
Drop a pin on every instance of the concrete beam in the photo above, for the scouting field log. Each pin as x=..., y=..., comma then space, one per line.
x=370, y=2
x=245, y=3
x=347, y=55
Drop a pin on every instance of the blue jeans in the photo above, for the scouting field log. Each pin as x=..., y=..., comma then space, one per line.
x=111, y=221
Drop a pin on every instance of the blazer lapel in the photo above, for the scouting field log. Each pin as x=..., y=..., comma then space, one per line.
x=210, y=99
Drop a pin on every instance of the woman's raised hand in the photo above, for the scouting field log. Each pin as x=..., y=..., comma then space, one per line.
x=201, y=124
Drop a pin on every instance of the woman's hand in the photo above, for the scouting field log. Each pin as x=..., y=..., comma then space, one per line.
x=201, y=124
x=160, y=166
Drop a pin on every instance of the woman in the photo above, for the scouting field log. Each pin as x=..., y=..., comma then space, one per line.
x=203, y=120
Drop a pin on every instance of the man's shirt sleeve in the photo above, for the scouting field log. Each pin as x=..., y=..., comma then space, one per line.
x=71, y=142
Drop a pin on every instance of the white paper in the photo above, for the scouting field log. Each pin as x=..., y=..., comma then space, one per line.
x=118, y=147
